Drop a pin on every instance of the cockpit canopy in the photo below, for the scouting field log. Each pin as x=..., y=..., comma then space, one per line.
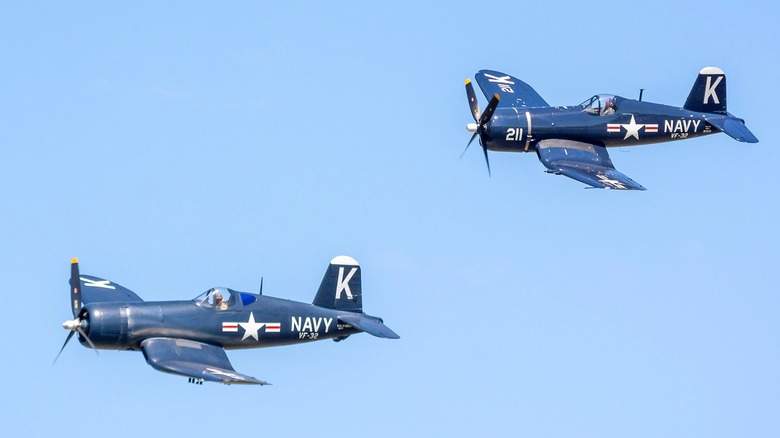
x=600, y=105
x=223, y=298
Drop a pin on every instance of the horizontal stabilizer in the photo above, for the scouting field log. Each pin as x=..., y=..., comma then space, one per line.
x=369, y=324
x=98, y=290
x=734, y=128
x=193, y=359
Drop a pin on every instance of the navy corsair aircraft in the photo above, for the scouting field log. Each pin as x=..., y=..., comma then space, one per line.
x=189, y=338
x=573, y=140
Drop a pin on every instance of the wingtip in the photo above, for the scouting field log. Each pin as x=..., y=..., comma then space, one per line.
x=74, y=260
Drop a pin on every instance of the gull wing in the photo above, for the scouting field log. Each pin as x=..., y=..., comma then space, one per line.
x=99, y=290
x=584, y=162
x=512, y=91
x=193, y=359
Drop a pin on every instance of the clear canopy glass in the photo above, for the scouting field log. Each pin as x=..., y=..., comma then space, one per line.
x=220, y=297
x=600, y=104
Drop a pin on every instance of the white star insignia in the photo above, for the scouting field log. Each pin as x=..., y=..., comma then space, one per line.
x=251, y=327
x=216, y=372
x=632, y=129
x=610, y=182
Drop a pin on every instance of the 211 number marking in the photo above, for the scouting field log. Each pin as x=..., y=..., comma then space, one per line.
x=514, y=134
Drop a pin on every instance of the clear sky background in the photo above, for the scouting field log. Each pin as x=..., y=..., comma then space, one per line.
x=179, y=146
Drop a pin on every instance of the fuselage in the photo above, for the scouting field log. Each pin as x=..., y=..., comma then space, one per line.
x=264, y=322
x=632, y=123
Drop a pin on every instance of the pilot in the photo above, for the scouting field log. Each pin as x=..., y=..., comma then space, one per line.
x=221, y=305
x=609, y=107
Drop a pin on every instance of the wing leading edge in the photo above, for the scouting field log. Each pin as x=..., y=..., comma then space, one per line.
x=587, y=163
x=193, y=359
x=513, y=91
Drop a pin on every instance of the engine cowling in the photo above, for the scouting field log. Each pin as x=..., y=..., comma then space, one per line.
x=106, y=325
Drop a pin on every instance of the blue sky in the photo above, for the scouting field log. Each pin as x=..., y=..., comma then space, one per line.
x=175, y=147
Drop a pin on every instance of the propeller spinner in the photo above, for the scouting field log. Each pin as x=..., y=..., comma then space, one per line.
x=480, y=127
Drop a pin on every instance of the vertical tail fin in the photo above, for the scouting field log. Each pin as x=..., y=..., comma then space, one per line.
x=708, y=94
x=341, y=286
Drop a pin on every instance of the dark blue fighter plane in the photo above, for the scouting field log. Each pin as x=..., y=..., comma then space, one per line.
x=573, y=140
x=189, y=338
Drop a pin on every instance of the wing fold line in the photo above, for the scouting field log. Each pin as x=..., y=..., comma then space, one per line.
x=587, y=163
x=193, y=359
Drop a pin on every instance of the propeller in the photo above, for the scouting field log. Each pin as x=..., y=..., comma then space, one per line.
x=480, y=127
x=80, y=323
x=75, y=287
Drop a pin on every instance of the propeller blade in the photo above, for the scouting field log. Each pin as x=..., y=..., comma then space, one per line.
x=484, y=149
x=70, y=335
x=491, y=108
x=467, y=146
x=84, y=334
x=75, y=287
x=483, y=121
x=76, y=324
x=473, y=104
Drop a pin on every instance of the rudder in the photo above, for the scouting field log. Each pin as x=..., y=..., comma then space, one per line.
x=708, y=94
x=341, y=287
